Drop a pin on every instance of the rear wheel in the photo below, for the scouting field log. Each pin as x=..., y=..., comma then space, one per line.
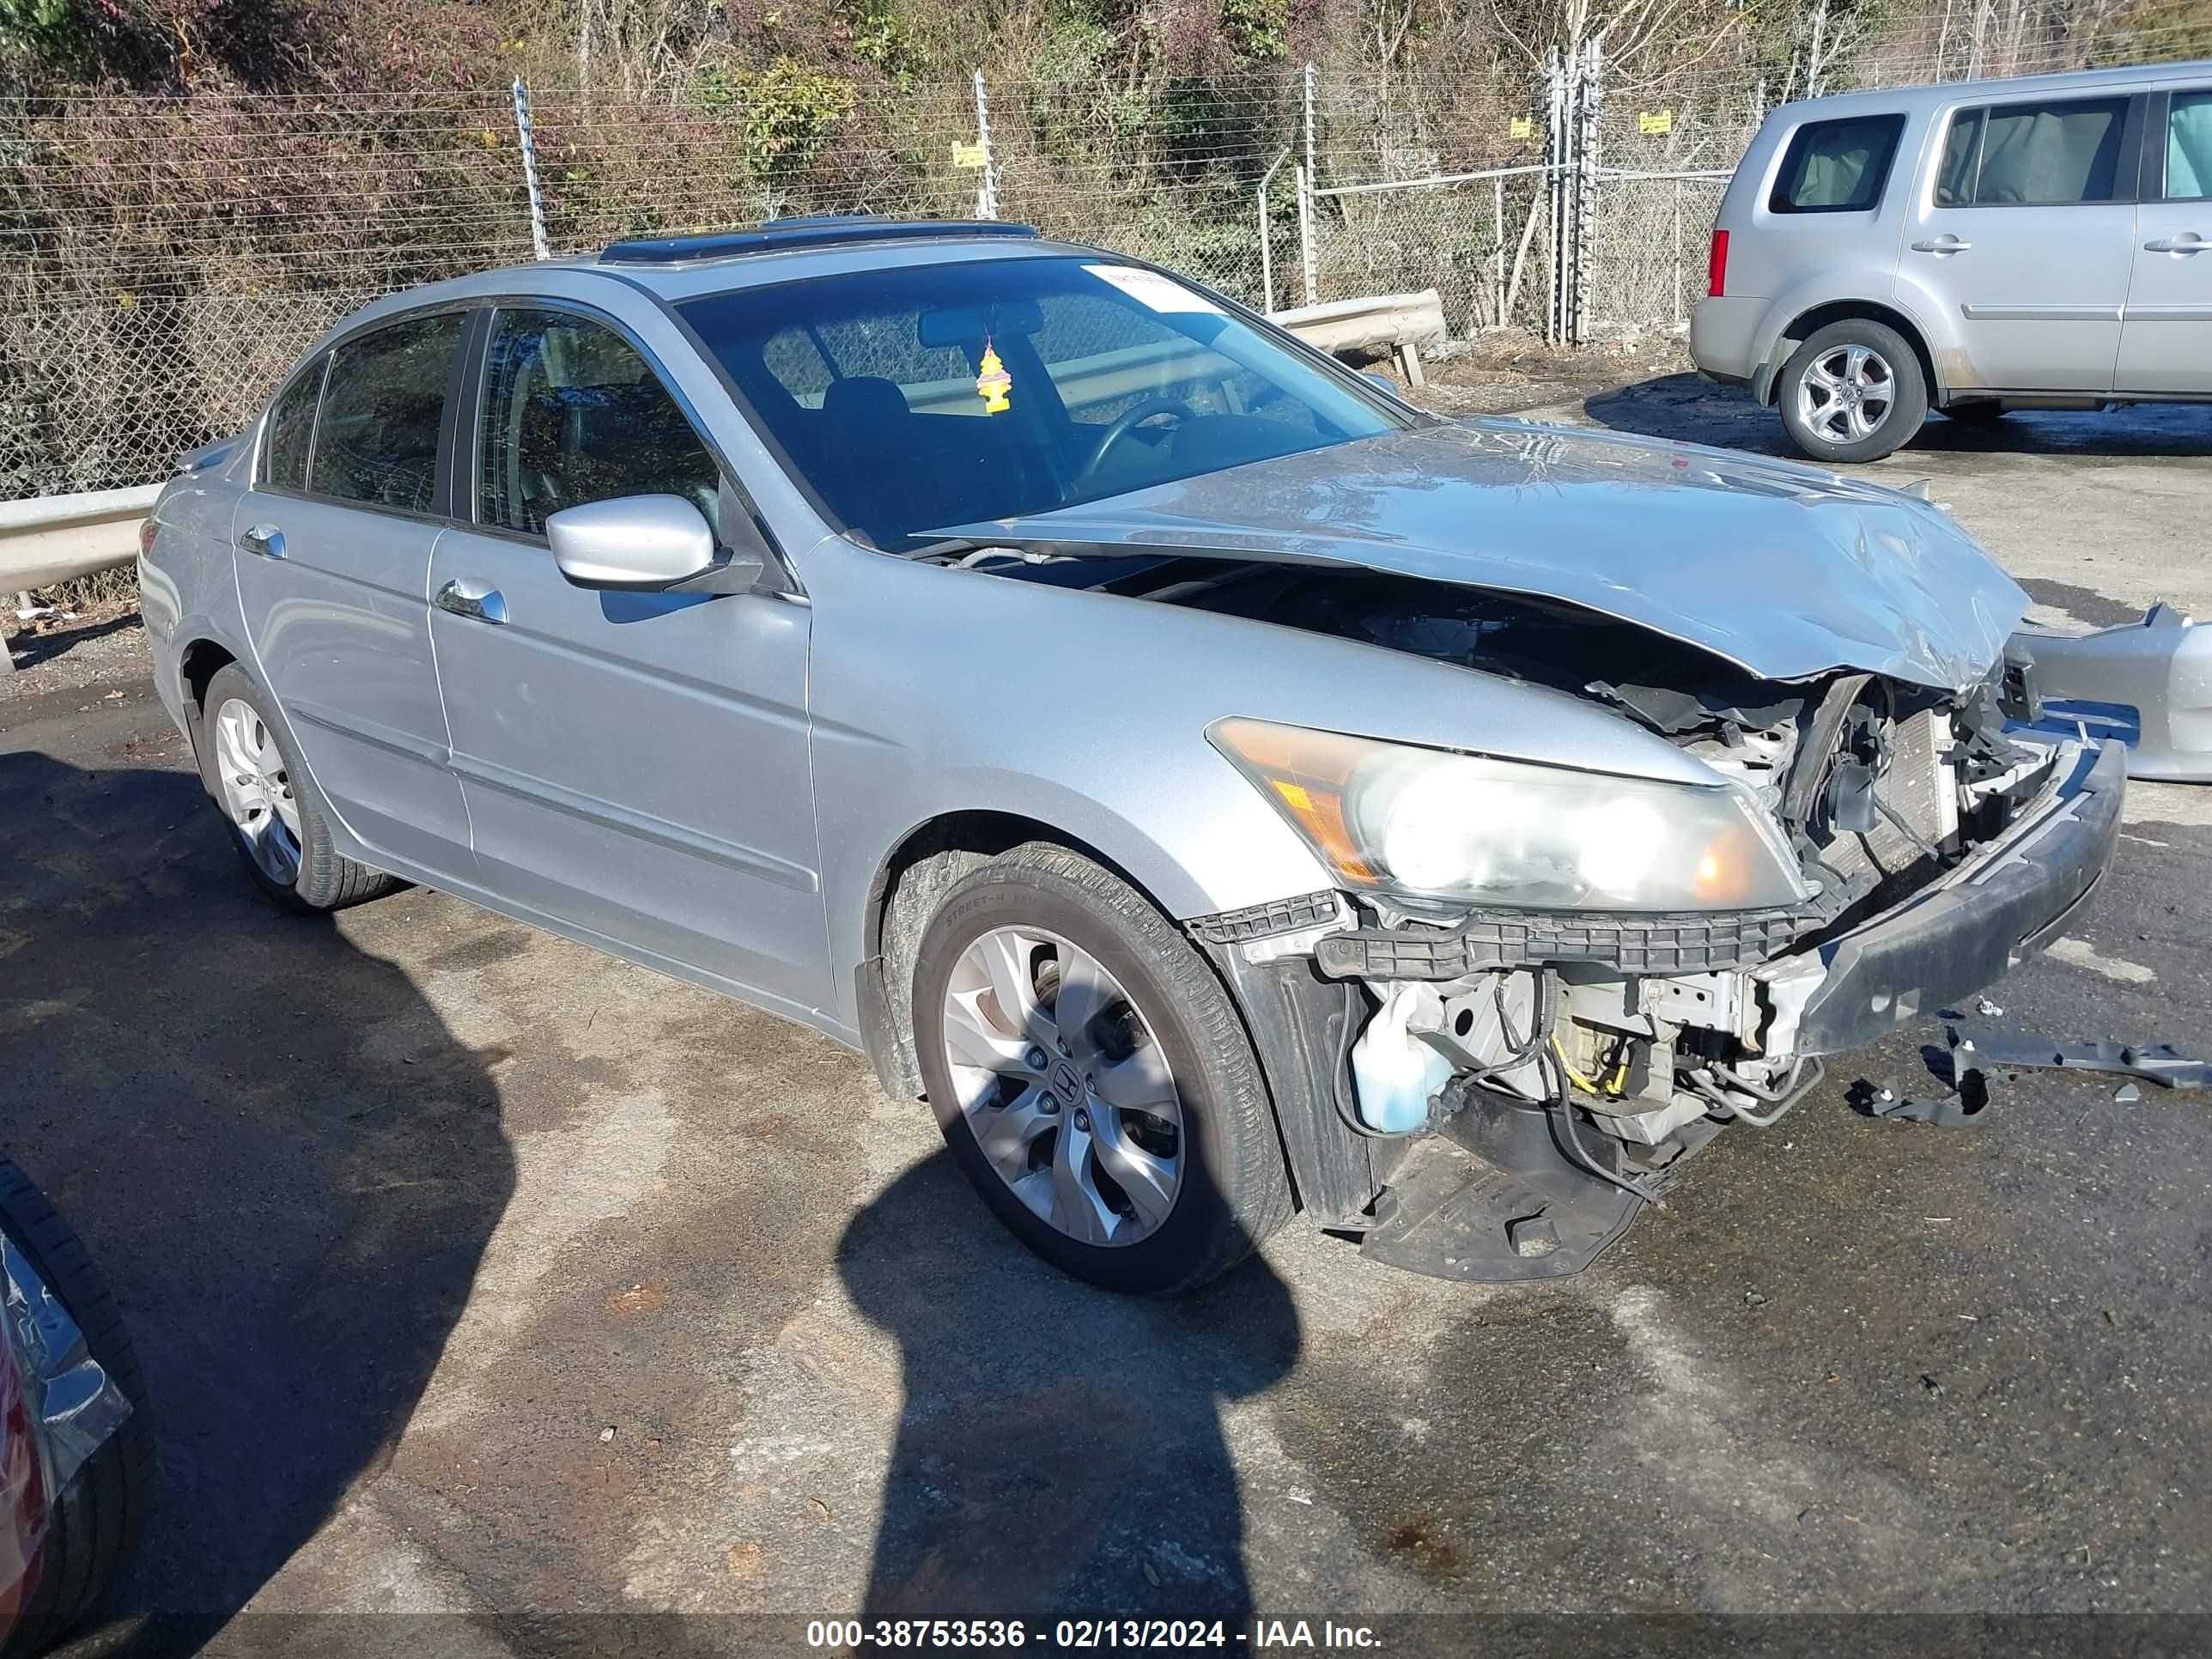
x=277, y=822
x=92, y=1524
x=1853, y=392
x=1092, y=1077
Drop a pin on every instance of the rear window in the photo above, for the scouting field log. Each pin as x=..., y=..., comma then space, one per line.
x=2042, y=154
x=1836, y=166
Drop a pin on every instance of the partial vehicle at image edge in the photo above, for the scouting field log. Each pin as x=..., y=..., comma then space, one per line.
x=1220, y=790
x=1972, y=248
x=76, y=1447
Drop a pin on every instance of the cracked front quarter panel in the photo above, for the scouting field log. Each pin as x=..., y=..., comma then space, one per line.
x=1785, y=570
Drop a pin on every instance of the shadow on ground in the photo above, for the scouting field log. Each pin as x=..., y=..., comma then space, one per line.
x=1060, y=1451
x=285, y=1165
x=1694, y=410
x=33, y=650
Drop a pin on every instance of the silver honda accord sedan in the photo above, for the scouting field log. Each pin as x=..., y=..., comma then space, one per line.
x=1220, y=789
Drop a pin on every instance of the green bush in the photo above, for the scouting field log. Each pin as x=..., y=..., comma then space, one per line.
x=786, y=113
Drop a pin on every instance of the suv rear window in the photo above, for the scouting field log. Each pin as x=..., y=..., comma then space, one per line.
x=1836, y=166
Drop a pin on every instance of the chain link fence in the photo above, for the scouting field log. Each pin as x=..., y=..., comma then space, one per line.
x=163, y=260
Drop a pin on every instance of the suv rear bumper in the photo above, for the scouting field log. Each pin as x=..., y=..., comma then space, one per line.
x=1966, y=932
x=1723, y=338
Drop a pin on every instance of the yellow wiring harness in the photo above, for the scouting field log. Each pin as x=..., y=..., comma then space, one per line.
x=1612, y=1087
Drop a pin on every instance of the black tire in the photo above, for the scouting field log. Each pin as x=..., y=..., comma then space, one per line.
x=1235, y=1191
x=1908, y=405
x=93, y=1526
x=325, y=880
x=1986, y=411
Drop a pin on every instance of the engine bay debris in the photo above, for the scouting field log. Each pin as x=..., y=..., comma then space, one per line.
x=2153, y=1062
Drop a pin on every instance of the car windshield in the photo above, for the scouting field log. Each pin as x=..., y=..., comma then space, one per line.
x=920, y=398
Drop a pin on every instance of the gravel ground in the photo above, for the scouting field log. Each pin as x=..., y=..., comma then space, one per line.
x=100, y=644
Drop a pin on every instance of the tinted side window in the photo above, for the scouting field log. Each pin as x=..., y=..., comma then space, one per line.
x=291, y=427
x=2189, y=147
x=377, y=441
x=2050, y=154
x=572, y=414
x=1836, y=166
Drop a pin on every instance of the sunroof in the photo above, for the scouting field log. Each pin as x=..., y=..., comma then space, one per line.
x=818, y=230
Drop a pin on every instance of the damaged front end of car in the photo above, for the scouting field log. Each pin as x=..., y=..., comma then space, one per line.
x=1536, y=990
x=1535, y=986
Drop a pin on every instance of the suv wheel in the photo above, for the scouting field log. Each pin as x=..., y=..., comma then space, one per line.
x=1091, y=1077
x=276, y=820
x=1853, y=392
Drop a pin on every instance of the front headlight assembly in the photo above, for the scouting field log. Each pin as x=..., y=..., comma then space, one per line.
x=1436, y=831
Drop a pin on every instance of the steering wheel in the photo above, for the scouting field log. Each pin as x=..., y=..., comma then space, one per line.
x=1128, y=422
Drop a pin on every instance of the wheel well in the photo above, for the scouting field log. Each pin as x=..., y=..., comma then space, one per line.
x=1839, y=310
x=203, y=660
x=901, y=901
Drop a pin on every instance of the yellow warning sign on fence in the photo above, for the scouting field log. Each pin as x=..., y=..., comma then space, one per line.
x=1655, y=121
x=1521, y=126
x=968, y=155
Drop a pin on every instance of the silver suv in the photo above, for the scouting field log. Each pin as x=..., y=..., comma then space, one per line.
x=2029, y=243
x=1219, y=787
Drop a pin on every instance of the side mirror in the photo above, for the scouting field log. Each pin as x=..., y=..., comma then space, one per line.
x=647, y=544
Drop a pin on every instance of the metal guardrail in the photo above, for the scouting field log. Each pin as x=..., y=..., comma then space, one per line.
x=57, y=538
x=1398, y=323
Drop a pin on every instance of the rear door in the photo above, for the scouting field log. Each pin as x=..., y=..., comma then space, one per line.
x=635, y=764
x=2165, y=344
x=333, y=544
x=2024, y=238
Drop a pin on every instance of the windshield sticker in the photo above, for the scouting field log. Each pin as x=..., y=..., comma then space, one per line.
x=993, y=384
x=1151, y=289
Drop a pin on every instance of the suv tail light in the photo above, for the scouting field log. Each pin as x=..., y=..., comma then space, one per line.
x=1716, y=266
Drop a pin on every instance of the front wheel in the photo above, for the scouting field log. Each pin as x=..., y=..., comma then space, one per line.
x=1853, y=392
x=1091, y=1077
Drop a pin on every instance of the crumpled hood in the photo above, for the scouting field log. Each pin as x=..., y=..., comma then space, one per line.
x=1785, y=570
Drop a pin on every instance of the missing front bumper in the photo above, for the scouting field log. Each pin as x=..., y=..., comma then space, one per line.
x=1961, y=934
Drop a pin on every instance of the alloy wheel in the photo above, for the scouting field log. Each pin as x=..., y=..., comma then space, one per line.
x=257, y=790
x=1066, y=1087
x=1846, y=394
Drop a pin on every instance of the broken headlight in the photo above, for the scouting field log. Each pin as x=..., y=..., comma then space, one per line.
x=1436, y=829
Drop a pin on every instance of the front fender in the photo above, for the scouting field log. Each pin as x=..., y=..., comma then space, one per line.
x=935, y=691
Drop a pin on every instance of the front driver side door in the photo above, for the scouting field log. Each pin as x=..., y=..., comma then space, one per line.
x=2166, y=344
x=635, y=764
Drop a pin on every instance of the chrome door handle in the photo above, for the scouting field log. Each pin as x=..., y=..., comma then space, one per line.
x=1947, y=243
x=478, y=600
x=2188, y=242
x=263, y=540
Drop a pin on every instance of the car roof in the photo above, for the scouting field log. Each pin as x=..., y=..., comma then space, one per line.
x=724, y=261
x=1949, y=92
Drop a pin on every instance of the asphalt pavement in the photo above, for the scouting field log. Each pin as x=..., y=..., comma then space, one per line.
x=496, y=1297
